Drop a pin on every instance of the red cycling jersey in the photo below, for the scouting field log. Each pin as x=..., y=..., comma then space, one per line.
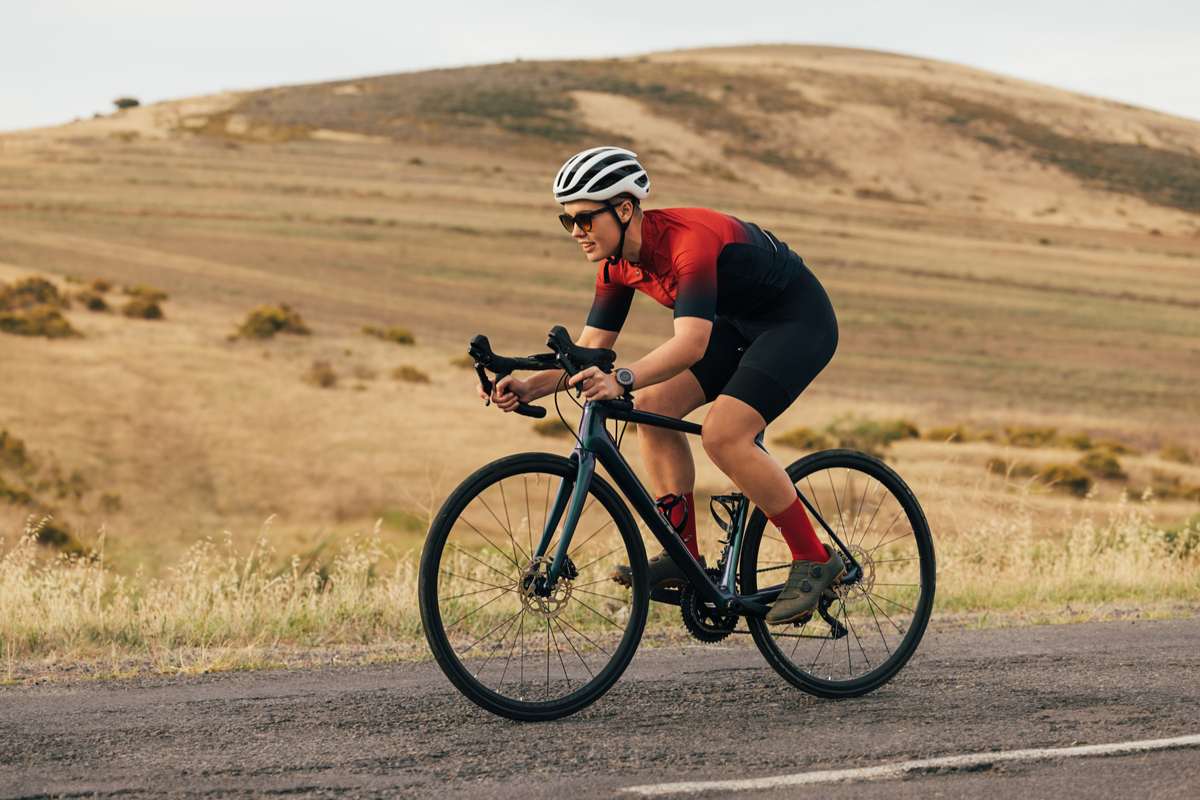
x=699, y=263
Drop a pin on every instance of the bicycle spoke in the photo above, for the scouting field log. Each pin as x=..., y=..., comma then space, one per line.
x=506, y=528
x=481, y=561
x=499, y=550
x=597, y=594
x=574, y=649
x=499, y=645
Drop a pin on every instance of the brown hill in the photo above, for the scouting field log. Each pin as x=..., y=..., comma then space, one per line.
x=1000, y=254
x=786, y=118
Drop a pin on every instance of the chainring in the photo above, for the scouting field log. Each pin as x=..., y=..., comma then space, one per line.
x=702, y=622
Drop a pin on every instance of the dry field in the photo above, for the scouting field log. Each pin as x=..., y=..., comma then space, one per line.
x=978, y=281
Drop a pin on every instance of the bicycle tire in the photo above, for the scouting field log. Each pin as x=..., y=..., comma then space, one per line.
x=884, y=616
x=521, y=657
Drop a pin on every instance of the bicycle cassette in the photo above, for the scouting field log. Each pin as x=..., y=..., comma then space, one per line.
x=702, y=622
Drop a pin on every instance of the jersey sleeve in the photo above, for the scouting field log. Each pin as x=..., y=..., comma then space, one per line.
x=610, y=307
x=696, y=293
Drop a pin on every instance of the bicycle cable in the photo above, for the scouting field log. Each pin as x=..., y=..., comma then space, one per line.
x=617, y=437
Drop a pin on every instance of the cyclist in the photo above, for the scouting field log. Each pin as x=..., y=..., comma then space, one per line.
x=753, y=327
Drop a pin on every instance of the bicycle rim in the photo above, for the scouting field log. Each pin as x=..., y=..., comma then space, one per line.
x=870, y=629
x=507, y=648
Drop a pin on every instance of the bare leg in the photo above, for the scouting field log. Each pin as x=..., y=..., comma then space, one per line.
x=667, y=454
x=729, y=431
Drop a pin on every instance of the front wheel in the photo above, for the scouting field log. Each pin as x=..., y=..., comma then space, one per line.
x=863, y=633
x=508, y=642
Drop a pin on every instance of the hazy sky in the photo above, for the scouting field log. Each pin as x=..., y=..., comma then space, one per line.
x=61, y=59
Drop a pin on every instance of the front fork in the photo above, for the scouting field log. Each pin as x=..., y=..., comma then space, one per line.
x=569, y=500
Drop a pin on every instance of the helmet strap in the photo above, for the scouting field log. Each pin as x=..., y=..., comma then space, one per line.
x=619, y=252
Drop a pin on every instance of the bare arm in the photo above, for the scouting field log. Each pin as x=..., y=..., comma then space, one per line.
x=666, y=361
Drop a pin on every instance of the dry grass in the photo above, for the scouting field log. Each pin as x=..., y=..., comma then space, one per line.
x=217, y=601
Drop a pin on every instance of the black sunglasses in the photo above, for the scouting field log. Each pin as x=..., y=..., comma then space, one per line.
x=584, y=218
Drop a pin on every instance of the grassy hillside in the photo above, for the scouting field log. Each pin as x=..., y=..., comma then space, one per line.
x=1001, y=255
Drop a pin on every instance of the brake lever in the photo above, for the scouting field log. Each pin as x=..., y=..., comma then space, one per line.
x=485, y=383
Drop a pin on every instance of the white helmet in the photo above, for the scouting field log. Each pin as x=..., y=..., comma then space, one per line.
x=600, y=174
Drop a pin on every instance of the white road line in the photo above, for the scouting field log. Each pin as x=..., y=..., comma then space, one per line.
x=898, y=770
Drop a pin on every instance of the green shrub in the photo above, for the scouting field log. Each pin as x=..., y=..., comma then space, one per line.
x=142, y=308
x=12, y=450
x=102, y=285
x=869, y=435
x=365, y=373
x=1031, y=437
x=1069, y=478
x=92, y=301
x=803, y=439
x=38, y=321
x=1102, y=464
x=956, y=434
x=397, y=335
x=13, y=495
x=463, y=362
x=1079, y=441
x=141, y=290
x=1168, y=486
x=1174, y=452
x=552, y=427
x=1116, y=448
x=409, y=374
x=264, y=322
x=29, y=293
x=110, y=503
x=321, y=374
x=123, y=103
x=1001, y=466
x=58, y=537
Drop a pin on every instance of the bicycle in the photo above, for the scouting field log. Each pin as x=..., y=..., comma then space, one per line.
x=521, y=614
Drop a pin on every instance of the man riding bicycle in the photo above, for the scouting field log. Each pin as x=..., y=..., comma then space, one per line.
x=753, y=328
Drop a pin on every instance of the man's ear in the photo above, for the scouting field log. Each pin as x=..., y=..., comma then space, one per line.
x=624, y=217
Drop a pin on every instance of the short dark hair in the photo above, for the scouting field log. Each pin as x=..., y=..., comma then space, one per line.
x=623, y=196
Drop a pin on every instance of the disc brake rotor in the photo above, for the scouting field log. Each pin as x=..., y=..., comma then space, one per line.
x=858, y=591
x=533, y=592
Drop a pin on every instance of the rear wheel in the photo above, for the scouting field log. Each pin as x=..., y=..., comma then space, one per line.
x=863, y=633
x=516, y=651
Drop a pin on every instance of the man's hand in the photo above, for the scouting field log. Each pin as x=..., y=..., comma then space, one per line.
x=507, y=393
x=597, y=385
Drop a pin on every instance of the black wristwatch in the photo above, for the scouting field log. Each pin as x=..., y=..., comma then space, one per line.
x=625, y=379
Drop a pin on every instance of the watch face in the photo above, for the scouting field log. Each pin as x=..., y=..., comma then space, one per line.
x=625, y=377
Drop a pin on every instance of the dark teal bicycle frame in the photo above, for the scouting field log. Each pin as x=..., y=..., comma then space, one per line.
x=594, y=444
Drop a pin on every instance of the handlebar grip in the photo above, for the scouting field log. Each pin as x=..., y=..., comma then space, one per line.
x=525, y=410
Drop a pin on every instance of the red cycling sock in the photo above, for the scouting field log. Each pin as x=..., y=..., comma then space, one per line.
x=798, y=532
x=682, y=514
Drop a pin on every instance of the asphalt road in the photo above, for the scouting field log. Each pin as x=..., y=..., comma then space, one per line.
x=678, y=715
